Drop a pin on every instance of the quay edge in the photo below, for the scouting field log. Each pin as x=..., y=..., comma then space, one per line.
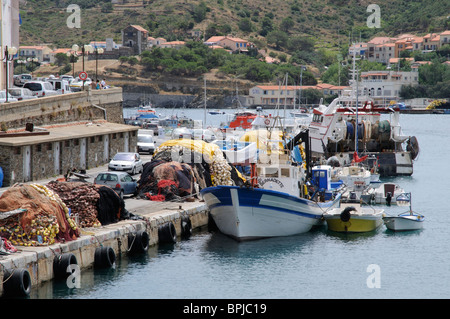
x=38, y=261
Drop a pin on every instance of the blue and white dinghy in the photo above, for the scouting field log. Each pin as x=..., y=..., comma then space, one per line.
x=279, y=204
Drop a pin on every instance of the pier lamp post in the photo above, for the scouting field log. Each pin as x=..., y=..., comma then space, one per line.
x=8, y=56
x=31, y=60
x=97, y=52
x=87, y=48
x=72, y=56
x=21, y=62
x=75, y=49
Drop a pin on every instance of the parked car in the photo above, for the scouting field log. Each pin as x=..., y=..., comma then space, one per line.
x=151, y=126
x=59, y=85
x=3, y=97
x=205, y=135
x=121, y=182
x=145, y=143
x=21, y=79
x=77, y=85
x=128, y=162
x=182, y=132
x=22, y=94
x=40, y=88
x=68, y=78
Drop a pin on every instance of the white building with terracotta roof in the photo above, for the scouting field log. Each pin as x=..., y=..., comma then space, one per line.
x=384, y=86
x=274, y=94
x=41, y=52
x=235, y=44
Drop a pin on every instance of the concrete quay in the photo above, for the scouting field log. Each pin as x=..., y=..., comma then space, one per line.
x=149, y=217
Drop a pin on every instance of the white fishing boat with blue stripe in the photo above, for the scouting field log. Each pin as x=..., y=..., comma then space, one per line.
x=279, y=204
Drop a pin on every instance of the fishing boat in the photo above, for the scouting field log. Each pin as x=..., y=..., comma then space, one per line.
x=301, y=112
x=146, y=108
x=384, y=193
x=242, y=120
x=409, y=220
x=352, y=122
x=354, y=219
x=276, y=201
x=217, y=112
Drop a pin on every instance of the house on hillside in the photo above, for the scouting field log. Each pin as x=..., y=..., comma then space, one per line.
x=135, y=37
x=173, y=44
x=235, y=44
x=155, y=42
x=41, y=52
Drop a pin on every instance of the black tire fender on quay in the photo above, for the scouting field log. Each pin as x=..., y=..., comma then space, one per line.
x=167, y=233
x=17, y=282
x=104, y=257
x=346, y=214
x=60, y=264
x=138, y=242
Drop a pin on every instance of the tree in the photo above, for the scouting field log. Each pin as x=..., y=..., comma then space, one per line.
x=278, y=38
x=61, y=59
x=286, y=24
x=199, y=13
x=336, y=75
x=245, y=25
x=266, y=26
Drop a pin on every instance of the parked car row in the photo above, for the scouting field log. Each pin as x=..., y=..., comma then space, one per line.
x=196, y=134
x=40, y=87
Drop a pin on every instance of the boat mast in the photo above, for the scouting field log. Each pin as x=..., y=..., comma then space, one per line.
x=204, y=112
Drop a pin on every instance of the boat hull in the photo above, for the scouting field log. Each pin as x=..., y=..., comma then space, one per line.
x=404, y=223
x=254, y=213
x=357, y=223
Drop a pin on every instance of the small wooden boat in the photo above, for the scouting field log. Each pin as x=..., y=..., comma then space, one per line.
x=405, y=221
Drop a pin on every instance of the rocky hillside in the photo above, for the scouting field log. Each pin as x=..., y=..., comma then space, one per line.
x=331, y=23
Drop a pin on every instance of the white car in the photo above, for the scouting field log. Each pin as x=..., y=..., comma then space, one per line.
x=3, y=97
x=22, y=94
x=205, y=135
x=40, y=88
x=76, y=84
x=127, y=162
x=145, y=143
x=182, y=132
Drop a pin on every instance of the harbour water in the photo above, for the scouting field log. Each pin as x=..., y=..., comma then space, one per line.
x=316, y=265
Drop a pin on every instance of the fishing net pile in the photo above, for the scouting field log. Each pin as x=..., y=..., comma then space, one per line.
x=34, y=215
x=93, y=205
x=81, y=198
x=180, y=168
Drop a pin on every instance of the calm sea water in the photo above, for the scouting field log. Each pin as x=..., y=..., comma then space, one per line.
x=318, y=264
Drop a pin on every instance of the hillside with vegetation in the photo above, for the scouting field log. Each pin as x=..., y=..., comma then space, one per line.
x=295, y=32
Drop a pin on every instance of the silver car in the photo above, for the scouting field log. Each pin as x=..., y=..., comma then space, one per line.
x=22, y=94
x=127, y=162
x=121, y=182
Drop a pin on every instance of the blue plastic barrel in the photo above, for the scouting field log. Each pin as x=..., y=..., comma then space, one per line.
x=1, y=177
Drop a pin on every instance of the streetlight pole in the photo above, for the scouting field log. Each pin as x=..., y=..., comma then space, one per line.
x=8, y=56
x=97, y=52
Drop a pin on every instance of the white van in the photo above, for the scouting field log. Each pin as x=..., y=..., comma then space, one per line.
x=40, y=88
x=60, y=85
